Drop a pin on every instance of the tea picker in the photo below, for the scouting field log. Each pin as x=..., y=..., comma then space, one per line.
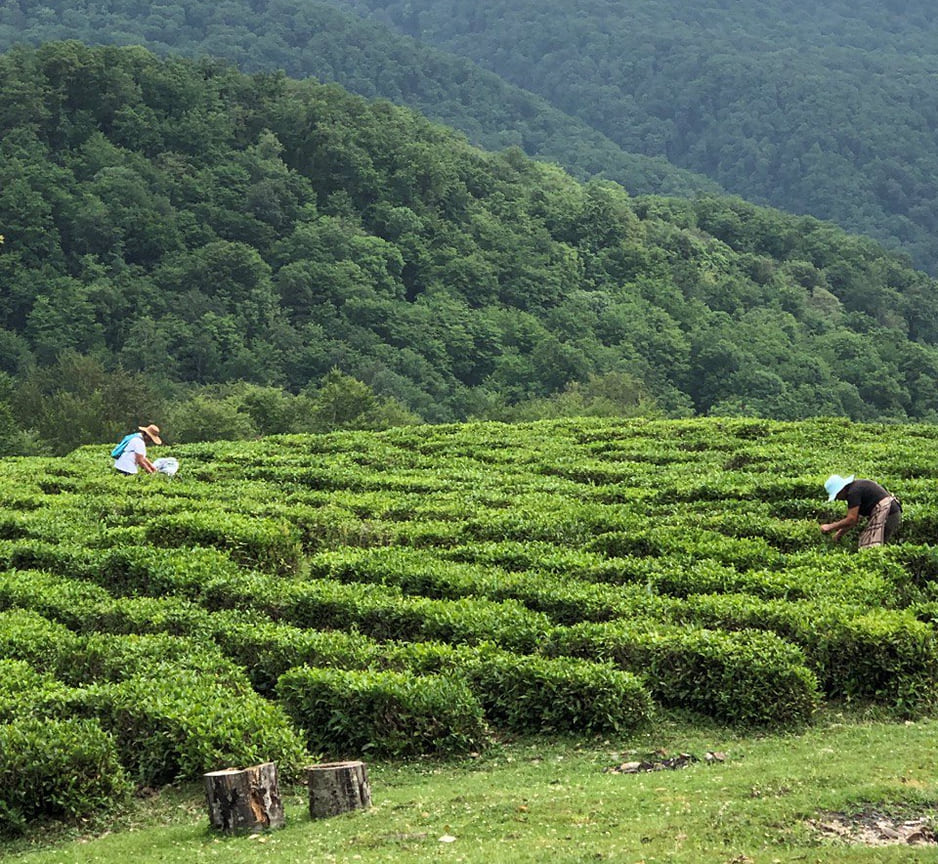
x=130, y=454
x=868, y=500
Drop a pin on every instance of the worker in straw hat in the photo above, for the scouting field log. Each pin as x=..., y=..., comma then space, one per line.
x=868, y=500
x=132, y=451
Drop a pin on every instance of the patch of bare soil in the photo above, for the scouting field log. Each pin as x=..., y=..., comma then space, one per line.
x=873, y=828
x=661, y=761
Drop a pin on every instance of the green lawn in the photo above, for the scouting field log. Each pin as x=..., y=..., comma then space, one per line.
x=555, y=801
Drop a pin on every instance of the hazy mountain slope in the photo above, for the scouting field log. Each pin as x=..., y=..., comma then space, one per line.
x=315, y=39
x=824, y=108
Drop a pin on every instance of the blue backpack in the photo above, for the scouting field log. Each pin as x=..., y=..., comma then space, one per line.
x=122, y=445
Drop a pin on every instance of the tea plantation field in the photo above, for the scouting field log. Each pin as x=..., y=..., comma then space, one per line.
x=427, y=590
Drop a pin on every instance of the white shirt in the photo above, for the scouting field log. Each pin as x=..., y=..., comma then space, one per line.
x=127, y=461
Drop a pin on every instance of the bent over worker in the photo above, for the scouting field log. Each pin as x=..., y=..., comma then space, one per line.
x=134, y=454
x=866, y=499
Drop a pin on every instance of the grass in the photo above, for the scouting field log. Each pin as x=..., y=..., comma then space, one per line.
x=536, y=801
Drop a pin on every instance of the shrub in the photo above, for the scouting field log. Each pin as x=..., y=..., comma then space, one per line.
x=103, y=657
x=173, y=615
x=347, y=713
x=664, y=540
x=744, y=678
x=180, y=724
x=159, y=571
x=269, y=545
x=33, y=554
x=920, y=562
x=59, y=769
x=88, y=608
x=28, y=636
x=71, y=602
x=466, y=621
x=883, y=655
x=538, y=694
x=382, y=613
x=267, y=649
x=564, y=599
x=330, y=526
x=530, y=693
x=22, y=687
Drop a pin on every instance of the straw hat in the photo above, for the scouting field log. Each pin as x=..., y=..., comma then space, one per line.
x=152, y=432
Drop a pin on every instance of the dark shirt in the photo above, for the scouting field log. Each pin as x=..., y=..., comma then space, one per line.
x=866, y=494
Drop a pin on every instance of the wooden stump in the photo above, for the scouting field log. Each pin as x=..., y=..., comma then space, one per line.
x=244, y=800
x=337, y=787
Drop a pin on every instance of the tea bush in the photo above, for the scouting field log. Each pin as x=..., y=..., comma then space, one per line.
x=28, y=636
x=266, y=544
x=348, y=713
x=266, y=649
x=105, y=657
x=59, y=769
x=747, y=678
x=570, y=576
x=178, y=724
x=22, y=688
x=538, y=694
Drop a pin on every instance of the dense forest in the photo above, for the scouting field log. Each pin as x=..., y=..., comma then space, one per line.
x=235, y=254
x=307, y=38
x=823, y=109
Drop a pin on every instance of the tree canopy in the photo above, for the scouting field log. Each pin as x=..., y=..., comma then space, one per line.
x=823, y=109
x=306, y=38
x=187, y=230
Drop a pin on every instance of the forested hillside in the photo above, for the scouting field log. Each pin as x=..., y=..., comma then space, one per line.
x=826, y=109
x=171, y=222
x=823, y=108
x=308, y=38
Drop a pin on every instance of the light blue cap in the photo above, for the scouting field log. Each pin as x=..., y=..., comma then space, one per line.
x=835, y=483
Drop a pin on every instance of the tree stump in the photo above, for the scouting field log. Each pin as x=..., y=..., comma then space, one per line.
x=337, y=787
x=245, y=799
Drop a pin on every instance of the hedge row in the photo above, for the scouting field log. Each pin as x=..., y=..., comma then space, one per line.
x=347, y=713
x=688, y=543
x=746, y=678
x=57, y=769
x=880, y=578
x=179, y=724
x=174, y=709
x=270, y=545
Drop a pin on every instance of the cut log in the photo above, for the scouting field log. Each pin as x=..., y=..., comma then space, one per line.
x=337, y=787
x=244, y=800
